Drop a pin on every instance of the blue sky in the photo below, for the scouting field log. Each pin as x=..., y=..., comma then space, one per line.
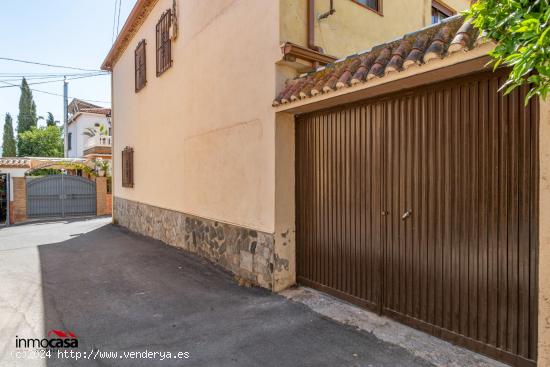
x=64, y=32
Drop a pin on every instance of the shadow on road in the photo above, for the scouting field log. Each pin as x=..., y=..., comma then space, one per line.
x=121, y=292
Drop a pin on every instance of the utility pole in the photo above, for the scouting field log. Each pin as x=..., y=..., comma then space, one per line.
x=65, y=115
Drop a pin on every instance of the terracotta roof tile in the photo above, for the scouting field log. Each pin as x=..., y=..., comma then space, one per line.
x=434, y=42
x=330, y=85
x=15, y=162
x=78, y=105
x=349, y=71
x=318, y=87
x=99, y=111
x=463, y=39
x=308, y=86
x=398, y=56
x=366, y=64
x=415, y=56
x=379, y=66
x=439, y=44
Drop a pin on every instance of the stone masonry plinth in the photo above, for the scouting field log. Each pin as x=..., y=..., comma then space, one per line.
x=245, y=252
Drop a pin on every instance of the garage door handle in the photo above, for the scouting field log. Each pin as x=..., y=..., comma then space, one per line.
x=406, y=214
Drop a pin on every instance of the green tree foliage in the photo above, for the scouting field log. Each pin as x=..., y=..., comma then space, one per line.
x=27, y=118
x=521, y=30
x=41, y=142
x=50, y=120
x=8, y=139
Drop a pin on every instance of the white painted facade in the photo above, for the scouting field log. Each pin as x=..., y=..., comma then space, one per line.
x=77, y=126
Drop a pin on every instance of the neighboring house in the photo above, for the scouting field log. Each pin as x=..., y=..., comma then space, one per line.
x=397, y=177
x=10, y=168
x=84, y=118
x=17, y=167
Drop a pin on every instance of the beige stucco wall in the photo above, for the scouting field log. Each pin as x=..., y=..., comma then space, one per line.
x=544, y=236
x=354, y=28
x=203, y=132
x=285, y=208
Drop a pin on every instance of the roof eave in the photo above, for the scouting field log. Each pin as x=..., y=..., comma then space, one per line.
x=477, y=58
x=137, y=16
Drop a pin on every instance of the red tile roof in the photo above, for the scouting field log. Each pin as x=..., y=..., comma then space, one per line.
x=78, y=104
x=15, y=162
x=99, y=111
x=434, y=42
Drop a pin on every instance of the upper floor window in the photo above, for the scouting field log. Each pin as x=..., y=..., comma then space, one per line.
x=440, y=12
x=371, y=4
x=69, y=141
x=140, y=66
x=164, y=46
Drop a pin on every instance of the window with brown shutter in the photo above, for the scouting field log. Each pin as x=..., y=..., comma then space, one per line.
x=140, y=64
x=164, y=46
x=440, y=12
x=128, y=167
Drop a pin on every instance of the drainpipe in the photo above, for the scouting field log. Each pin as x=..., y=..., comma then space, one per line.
x=311, y=29
x=311, y=25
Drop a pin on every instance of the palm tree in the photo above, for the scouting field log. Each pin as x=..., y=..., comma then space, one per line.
x=50, y=120
x=93, y=131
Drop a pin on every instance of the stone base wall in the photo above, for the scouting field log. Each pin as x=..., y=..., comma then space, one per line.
x=247, y=253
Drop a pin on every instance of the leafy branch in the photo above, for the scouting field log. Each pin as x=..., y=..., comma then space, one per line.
x=521, y=30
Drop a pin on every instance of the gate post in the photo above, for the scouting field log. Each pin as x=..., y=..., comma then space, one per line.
x=19, y=199
x=101, y=196
x=284, y=272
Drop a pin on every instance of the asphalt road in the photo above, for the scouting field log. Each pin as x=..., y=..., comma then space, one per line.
x=120, y=292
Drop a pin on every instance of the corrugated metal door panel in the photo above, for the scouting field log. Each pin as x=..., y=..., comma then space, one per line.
x=339, y=202
x=459, y=162
x=461, y=158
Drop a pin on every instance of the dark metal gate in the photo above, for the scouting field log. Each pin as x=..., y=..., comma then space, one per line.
x=423, y=206
x=4, y=199
x=60, y=196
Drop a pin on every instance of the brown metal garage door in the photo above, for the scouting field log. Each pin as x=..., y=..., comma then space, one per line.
x=423, y=206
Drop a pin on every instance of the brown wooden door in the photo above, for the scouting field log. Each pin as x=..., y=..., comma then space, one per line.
x=423, y=206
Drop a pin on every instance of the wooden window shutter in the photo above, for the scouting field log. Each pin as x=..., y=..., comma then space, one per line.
x=140, y=66
x=446, y=11
x=164, y=45
x=128, y=167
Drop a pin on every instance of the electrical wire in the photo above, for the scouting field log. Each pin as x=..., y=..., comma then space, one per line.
x=47, y=81
x=12, y=78
x=118, y=21
x=48, y=65
x=58, y=95
x=114, y=22
x=21, y=75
